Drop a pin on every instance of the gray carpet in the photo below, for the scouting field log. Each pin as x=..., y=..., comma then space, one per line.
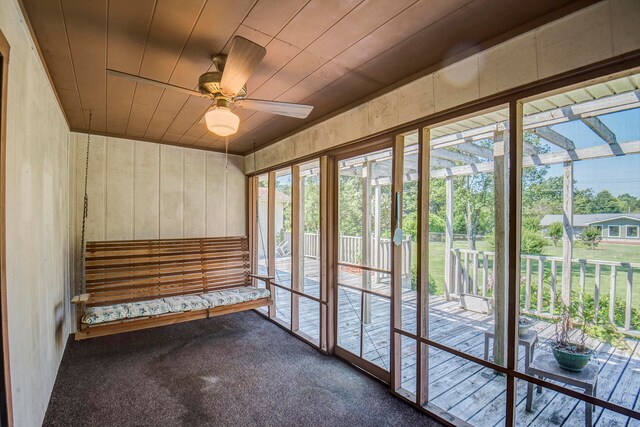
x=234, y=370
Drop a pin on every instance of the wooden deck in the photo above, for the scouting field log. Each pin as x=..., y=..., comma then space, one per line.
x=468, y=391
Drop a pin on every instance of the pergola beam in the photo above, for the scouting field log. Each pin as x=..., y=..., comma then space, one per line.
x=555, y=138
x=603, y=131
x=529, y=149
x=441, y=163
x=454, y=156
x=596, y=152
x=600, y=129
x=475, y=150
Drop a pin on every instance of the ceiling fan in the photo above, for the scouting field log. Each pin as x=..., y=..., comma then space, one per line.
x=225, y=85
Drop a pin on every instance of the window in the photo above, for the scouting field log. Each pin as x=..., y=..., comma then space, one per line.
x=614, y=231
x=632, y=231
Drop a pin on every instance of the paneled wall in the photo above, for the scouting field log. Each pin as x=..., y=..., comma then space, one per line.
x=143, y=190
x=606, y=29
x=37, y=225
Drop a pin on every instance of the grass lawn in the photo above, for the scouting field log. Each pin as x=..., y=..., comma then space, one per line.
x=605, y=252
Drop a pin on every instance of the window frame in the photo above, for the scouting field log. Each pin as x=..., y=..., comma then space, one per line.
x=613, y=235
x=630, y=227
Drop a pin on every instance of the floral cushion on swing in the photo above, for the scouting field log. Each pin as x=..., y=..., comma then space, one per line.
x=181, y=303
x=250, y=293
x=148, y=308
x=235, y=295
x=103, y=314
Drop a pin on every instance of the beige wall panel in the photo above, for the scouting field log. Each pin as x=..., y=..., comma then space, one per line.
x=302, y=144
x=508, y=65
x=216, y=195
x=236, y=198
x=249, y=163
x=171, y=192
x=625, y=15
x=146, y=221
x=338, y=130
x=96, y=223
x=575, y=40
x=37, y=220
x=194, y=193
x=275, y=153
x=119, y=190
x=415, y=100
x=456, y=84
x=383, y=112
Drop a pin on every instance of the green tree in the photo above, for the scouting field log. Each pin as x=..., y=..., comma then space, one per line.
x=555, y=232
x=628, y=203
x=475, y=197
x=605, y=202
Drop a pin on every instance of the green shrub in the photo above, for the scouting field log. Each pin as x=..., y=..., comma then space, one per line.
x=531, y=242
x=433, y=288
x=437, y=224
x=591, y=236
x=555, y=232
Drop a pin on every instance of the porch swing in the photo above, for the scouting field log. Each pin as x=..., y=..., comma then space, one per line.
x=129, y=285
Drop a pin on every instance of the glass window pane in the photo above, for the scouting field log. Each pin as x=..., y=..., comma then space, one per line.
x=349, y=319
x=283, y=305
x=467, y=167
x=364, y=207
x=376, y=338
x=282, y=227
x=408, y=365
x=309, y=323
x=262, y=226
x=410, y=230
x=468, y=391
x=310, y=228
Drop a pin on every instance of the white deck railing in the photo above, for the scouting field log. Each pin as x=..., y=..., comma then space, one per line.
x=474, y=272
x=350, y=251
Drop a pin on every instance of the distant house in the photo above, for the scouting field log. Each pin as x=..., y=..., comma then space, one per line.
x=614, y=227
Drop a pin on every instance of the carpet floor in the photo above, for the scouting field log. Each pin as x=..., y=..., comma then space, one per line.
x=234, y=370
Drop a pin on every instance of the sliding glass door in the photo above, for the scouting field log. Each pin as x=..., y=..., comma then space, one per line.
x=363, y=260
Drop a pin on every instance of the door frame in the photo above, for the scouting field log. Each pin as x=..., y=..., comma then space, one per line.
x=359, y=362
x=6, y=415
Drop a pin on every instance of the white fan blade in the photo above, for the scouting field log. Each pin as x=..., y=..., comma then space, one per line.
x=299, y=111
x=243, y=58
x=155, y=83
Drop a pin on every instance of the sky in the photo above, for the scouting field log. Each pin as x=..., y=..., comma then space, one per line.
x=619, y=175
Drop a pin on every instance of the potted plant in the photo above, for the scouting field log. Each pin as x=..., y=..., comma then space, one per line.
x=570, y=355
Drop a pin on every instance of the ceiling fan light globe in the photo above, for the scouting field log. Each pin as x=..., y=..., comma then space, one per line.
x=222, y=121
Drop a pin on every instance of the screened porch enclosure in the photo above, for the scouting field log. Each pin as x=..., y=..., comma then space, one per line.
x=465, y=295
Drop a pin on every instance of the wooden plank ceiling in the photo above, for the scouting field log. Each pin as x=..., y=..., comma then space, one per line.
x=327, y=53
